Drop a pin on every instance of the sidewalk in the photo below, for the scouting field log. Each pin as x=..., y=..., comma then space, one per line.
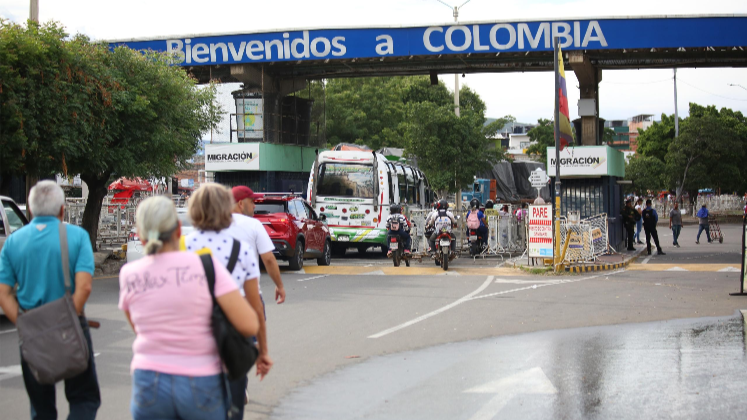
x=603, y=263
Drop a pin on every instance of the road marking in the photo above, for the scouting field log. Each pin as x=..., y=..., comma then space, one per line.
x=518, y=281
x=723, y=268
x=645, y=261
x=729, y=270
x=532, y=381
x=9, y=331
x=315, y=277
x=676, y=269
x=537, y=286
x=436, y=312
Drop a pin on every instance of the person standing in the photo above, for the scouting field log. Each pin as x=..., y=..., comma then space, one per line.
x=210, y=210
x=675, y=223
x=650, y=219
x=703, y=224
x=630, y=216
x=32, y=260
x=176, y=368
x=639, y=220
x=248, y=229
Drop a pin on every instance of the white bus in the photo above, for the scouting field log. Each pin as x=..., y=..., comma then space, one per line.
x=354, y=192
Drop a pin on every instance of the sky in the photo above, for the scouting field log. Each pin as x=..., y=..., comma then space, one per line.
x=526, y=96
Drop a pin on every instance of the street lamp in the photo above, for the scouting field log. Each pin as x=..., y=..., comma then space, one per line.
x=455, y=9
x=734, y=84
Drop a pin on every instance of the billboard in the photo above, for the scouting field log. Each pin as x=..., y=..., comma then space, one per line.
x=232, y=157
x=460, y=38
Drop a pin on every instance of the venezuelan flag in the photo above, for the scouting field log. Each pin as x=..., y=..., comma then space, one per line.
x=566, y=134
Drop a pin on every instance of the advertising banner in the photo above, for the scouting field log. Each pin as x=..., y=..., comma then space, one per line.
x=232, y=157
x=540, y=240
x=587, y=160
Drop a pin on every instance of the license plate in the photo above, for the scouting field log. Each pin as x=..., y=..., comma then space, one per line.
x=343, y=238
x=445, y=242
x=472, y=237
x=393, y=245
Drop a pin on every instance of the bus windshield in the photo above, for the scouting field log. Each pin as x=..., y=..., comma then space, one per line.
x=346, y=180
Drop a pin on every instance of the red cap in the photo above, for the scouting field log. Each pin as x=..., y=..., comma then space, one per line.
x=241, y=192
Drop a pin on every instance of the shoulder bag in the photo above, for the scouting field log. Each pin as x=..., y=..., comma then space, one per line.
x=237, y=352
x=51, y=337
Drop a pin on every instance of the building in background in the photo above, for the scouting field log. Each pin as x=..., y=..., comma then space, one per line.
x=514, y=139
x=626, y=131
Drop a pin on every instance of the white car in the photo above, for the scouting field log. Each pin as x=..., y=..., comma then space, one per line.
x=135, y=247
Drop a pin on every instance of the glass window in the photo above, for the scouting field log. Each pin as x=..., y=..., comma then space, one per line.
x=16, y=219
x=269, y=208
x=310, y=211
x=300, y=209
x=346, y=180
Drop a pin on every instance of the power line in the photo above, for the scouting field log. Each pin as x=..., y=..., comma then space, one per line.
x=711, y=93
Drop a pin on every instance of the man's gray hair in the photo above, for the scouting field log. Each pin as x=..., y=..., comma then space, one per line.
x=46, y=199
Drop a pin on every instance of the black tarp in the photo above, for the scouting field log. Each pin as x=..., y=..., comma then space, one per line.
x=512, y=181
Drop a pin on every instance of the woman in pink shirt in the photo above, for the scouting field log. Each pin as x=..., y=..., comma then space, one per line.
x=177, y=372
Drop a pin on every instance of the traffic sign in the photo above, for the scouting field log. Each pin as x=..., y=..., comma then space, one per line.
x=538, y=178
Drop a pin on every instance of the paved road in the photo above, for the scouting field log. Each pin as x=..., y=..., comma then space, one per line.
x=334, y=324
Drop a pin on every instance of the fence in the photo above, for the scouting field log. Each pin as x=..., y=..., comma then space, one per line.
x=586, y=239
x=116, y=220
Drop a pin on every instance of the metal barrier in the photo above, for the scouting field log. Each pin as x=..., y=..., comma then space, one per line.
x=585, y=240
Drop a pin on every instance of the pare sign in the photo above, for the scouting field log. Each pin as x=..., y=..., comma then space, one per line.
x=539, y=231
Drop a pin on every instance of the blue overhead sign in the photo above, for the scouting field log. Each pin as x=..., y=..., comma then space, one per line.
x=462, y=38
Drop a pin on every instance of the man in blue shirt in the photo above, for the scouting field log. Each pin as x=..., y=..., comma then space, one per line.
x=703, y=224
x=650, y=219
x=31, y=259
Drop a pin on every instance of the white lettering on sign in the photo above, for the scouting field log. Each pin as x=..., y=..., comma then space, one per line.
x=285, y=48
x=540, y=231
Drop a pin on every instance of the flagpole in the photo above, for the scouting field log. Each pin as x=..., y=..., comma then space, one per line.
x=556, y=44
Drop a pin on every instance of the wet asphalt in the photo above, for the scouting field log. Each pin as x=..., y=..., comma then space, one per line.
x=683, y=369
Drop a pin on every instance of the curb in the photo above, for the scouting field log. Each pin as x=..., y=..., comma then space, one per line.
x=604, y=267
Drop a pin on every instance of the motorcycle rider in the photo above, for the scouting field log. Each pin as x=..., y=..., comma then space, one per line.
x=483, y=229
x=403, y=229
x=442, y=212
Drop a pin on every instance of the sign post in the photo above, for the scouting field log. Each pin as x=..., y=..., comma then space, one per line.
x=556, y=43
x=743, y=273
x=538, y=178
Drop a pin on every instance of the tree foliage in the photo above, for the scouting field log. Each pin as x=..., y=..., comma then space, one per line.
x=542, y=137
x=655, y=140
x=646, y=172
x=68, y=105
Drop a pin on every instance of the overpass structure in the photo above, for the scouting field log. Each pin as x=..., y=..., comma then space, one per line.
x=275, y=64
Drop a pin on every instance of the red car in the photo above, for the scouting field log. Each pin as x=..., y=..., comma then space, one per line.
x=296, y=230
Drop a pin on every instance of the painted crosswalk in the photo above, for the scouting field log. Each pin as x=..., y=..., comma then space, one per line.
x=719, y=268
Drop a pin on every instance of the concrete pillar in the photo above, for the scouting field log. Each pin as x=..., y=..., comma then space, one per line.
x=588, y=79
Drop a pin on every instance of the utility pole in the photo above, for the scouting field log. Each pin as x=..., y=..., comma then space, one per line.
x=31, y=179
x=676, y=114
x=455, y=11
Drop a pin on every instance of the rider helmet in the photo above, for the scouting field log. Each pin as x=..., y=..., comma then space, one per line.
x=474, y=203
x=443, y=205
x=395, y=209
x=489, y=204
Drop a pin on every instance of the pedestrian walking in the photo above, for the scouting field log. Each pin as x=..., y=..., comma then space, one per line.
x=639, y=221
x=176, y=368
x=250, y=230
x=675, y=223
x=703, y=224
x=31, y=260
x=630, y=217
x=650, y=219
x=210, y=210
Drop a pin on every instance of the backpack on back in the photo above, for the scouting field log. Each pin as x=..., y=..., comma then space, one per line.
x=473, y=222
x=442, y=222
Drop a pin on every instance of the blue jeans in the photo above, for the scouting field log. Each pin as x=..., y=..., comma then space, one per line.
x=406, y=240
x=705, y=228
x=163, y=396
x=238, y=396
x=676, y=229
x=82, y=391
x=638, y=227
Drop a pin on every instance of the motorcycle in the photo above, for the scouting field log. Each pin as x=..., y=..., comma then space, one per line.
x=475, y=242
x=396, y=246
x=443, y=254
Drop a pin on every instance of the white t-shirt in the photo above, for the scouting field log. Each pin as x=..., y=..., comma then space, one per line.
x=221, y=244
x=638, y=208
x=251, y=231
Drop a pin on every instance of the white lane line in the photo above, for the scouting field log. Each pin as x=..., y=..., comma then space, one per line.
x=436, y=312
x=645, y=261
x=9, y=331
x=537, y=286
x=315, y=277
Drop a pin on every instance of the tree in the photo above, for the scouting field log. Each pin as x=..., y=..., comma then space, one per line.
x=655, y=140
x=73, y=106
x=542, y=137
x=710, y=146
x=646, y=172
x=608, y=136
